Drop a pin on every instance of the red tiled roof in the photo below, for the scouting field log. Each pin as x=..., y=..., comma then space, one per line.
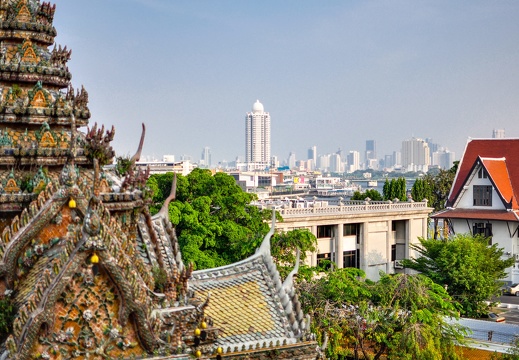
x=477, y=214
x=491, y=148
x=498, y=172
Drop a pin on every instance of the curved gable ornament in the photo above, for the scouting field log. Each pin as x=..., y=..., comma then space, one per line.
x=47, y=140
x=29, y=54
x=39, y=100
x=24, y=15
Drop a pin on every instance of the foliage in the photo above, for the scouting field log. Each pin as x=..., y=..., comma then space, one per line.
x=283, y=251
x=395, y=189
x=399, y=317
x=123, y=165
x=440, y=185
x=466, y=265
x=373, y=194
x=512, y=354
x=422, y=190
x=161, y=278
x=7, y=312
x=215, y=223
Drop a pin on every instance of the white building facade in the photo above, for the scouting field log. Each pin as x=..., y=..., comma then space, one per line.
x=371, y=236
x=257, y=137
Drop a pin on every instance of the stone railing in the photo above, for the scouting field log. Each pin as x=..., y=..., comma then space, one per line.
x=352, y=206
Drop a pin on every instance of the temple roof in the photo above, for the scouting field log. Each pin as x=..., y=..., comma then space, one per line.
x=249, y=305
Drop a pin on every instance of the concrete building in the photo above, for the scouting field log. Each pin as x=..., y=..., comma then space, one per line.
x=498, y=134
x=372, y=236
x=257, y=137
x=371, y=151
x=205, y=158
x=415, y=155
x=443, y=158
x=312, y=155
x=353, y=161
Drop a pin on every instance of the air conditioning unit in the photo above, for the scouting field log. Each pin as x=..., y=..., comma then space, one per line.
x=398, y=264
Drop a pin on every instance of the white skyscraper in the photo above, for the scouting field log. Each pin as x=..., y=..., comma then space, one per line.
x=257, y=137
x=205, y=159
x=415, y=155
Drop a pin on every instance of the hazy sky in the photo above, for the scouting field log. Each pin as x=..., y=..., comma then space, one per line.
x=331, y=73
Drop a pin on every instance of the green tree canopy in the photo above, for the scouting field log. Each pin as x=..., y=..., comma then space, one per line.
x=466, y=265
x=440, y=184
x=395, y=189
x=212, y=215
x=217, y=225
x=399, y=317
x=422, y=190
x=373, y=194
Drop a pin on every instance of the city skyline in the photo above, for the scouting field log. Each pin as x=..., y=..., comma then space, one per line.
x=332, y=75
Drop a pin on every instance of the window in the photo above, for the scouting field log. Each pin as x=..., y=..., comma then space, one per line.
x=349, y=259
x=482, y=173
x=393, y=252
x=324, y=261
x=482, y=195
x=483, y=229
x=350, y=229
x=324, y=231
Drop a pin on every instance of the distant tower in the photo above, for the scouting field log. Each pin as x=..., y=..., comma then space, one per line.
x=371, y=150
x=415, y=154
x=257, y=137
x=498, y=134
x=205, y=159
x=312, y=155
x=291, y=160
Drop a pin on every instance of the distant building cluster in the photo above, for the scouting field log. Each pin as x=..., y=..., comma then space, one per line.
x=414, y=155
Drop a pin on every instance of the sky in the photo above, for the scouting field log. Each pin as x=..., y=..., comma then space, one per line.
x=330, y=73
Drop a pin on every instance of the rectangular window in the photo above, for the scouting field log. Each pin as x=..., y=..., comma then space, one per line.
x=393, y=252
x=482, y=195
x=324, y=231
x=350, y=229
x=482, y=174
x=483, y=229
x=349, y=258
x=324, y=261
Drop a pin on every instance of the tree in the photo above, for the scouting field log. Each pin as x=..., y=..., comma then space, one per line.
x=373, y=194
x=213, y=217
x=216, y=224
x=422, y=190
x=399, y=317
x=395, y=189
x=440, y=185
x=284, y=247
x=466, y=265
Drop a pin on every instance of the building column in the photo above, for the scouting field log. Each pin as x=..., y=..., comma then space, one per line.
x=389, y=236
x=313, y=258
x=363, y=246
x=339, y=247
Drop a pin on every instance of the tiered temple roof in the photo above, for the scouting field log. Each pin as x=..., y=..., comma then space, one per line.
x=92, y=274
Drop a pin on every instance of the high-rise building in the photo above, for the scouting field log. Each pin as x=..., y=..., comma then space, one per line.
x=291, y=160
x=443, y=158
x=371, y=150
x=353, y=161
x=415, y=155
x=498, y=134
x=312, y=156
x=257, y=137
x=205, y=159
